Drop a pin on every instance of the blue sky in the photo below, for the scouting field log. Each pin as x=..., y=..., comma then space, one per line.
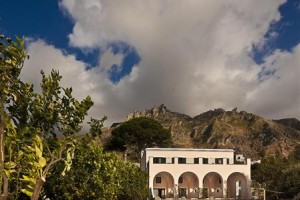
x=287, y=29
x=191, y=56
x=45, y=20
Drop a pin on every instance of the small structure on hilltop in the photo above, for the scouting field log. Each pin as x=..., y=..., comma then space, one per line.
x=179, y=173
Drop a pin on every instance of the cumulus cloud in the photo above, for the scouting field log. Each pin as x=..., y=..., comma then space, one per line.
x=194, y=57
x=279, y=95
x=46, y=57
x=93, y=82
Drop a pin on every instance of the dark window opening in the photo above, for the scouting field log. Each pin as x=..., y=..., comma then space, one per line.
x=205, y=160
x=159, y=160
x=182, y=192
x=161, y=193
x=219, y=160
x=181, y=160
x=196, y=160
x=158, y=179
x=180, y=179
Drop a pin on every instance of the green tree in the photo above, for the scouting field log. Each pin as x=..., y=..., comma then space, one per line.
x=269, y=168
x=138, y=134
x=280, y=177
x=30, y=123
x=289, y=181
x=12, y=56
x=52, y=112
x=96, y=175
x=134, y=183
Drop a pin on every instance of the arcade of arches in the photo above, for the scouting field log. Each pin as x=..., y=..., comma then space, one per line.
x=212, y=185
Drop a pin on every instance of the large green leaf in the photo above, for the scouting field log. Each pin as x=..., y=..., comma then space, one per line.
x=42, y=162
x=38, y=151
x=27, y=192
x=29, y=179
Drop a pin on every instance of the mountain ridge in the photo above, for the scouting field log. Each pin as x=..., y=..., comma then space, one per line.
x=245, y=132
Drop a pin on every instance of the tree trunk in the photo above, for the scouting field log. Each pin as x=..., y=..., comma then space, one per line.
x=4, y=189
x=38, y=188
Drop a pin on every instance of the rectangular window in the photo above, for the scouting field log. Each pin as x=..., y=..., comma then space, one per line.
x=205, y=160
x=180, y=180
x=159, y=160
x=158, y=179
x=155, y=160
x=181, y=160
x=219, y=161
x=196, y=160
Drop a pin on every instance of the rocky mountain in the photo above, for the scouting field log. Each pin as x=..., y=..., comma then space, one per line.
x=289, y=122
x=247, y=133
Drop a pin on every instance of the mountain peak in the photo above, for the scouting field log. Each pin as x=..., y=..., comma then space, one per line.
x=245, y=132
x=154, y=111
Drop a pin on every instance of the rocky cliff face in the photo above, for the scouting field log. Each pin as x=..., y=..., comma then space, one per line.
x=180, y=125
x=247, y=133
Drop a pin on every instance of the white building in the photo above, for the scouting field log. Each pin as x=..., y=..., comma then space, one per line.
x=196, y=173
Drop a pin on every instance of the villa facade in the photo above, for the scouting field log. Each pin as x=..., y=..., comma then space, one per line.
x=178, y=173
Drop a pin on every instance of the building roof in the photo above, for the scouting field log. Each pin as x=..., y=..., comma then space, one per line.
x=189, y=149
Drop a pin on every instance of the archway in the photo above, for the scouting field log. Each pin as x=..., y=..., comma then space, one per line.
x=188, y=185
x=163, y=185
x=237, y=186
x=214, y=184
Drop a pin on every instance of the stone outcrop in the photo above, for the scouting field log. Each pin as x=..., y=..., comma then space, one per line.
x=178, y=124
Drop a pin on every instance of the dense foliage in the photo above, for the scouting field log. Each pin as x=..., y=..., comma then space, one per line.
x=289, y=181
x=30, y=122
x=280, y=177
x=12, y=56
x=137, y=134
x=97, y=175
x=134, y=183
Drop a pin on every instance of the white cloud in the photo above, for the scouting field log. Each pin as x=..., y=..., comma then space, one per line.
x=46, y=57
x=108, y=59
x=194, y=56
x=279, y=96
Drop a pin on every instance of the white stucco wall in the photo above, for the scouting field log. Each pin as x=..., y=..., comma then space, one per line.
x=200, y=170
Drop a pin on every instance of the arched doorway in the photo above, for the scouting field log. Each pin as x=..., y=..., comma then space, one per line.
x=237, y=186
x=163, y=185
x=214, y=184
x=188, y=185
